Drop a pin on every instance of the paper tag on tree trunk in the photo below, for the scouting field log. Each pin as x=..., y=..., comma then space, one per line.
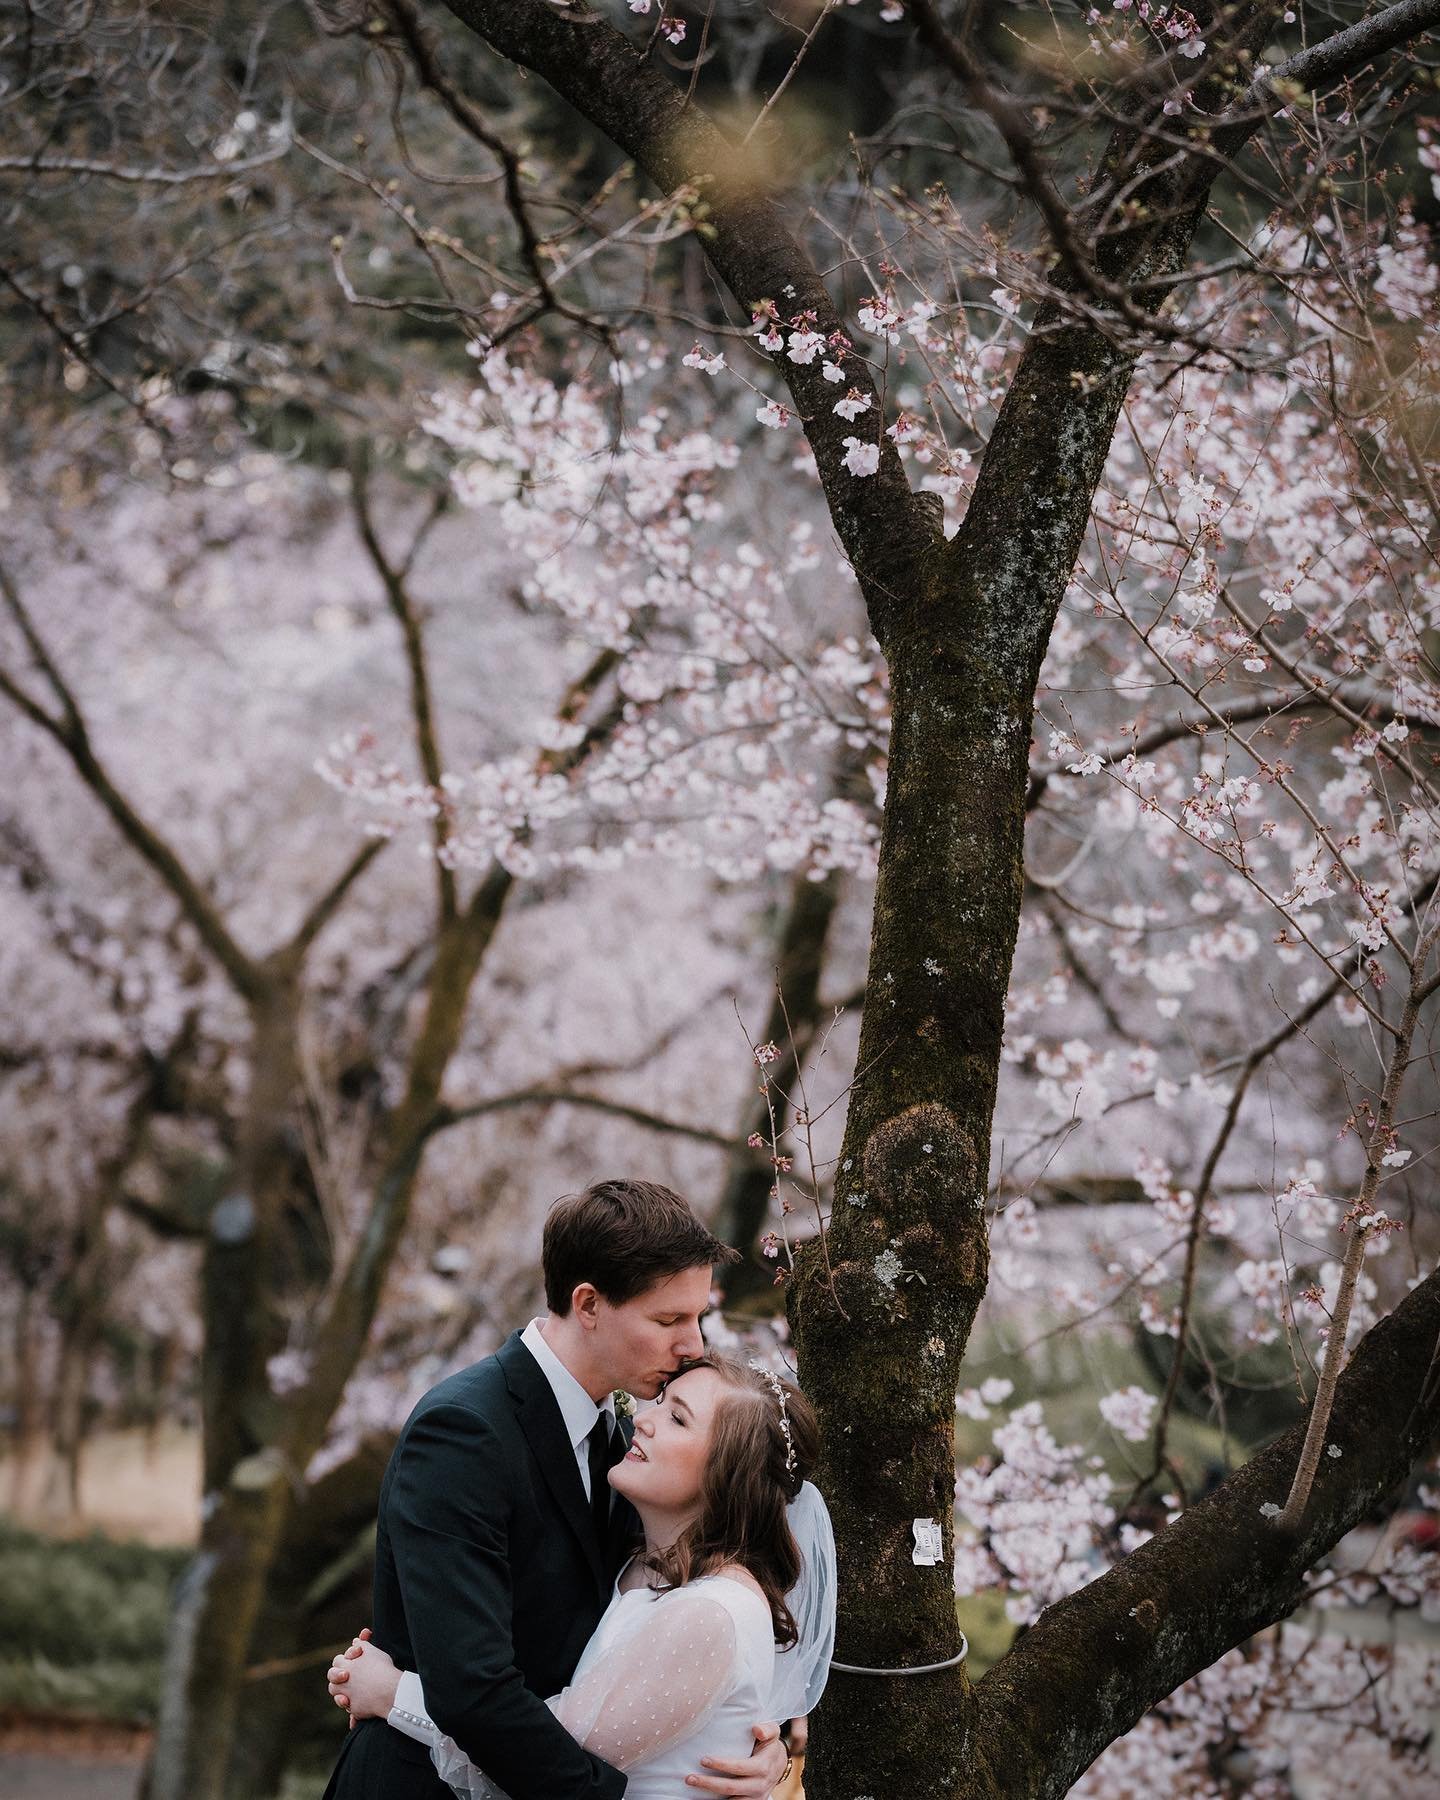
x=929, y=1544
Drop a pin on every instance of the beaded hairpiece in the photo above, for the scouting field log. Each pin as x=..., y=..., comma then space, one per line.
x=778, y=1389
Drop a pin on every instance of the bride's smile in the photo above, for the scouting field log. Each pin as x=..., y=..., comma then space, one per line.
x=664, y=1469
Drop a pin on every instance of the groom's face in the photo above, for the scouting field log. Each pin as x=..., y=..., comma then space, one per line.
x=642, y=1342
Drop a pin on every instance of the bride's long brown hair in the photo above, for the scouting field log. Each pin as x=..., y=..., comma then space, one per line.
x=747, y=1486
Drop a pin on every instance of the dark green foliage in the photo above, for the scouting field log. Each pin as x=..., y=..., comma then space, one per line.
x=82, y=1624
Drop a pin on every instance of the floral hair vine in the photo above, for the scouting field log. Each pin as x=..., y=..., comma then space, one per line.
x=778, y=1389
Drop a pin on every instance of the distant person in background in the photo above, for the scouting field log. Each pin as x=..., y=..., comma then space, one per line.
x=500, y=1537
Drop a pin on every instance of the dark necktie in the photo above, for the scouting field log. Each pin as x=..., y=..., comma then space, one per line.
x=601, y=1456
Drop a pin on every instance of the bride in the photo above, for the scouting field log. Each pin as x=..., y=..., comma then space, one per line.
x=685, y=1656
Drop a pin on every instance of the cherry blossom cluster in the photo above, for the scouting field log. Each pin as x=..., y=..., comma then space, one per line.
x=1033, y=1515
x=1306, y=1703
x=729, y=722
x=1292, y=1713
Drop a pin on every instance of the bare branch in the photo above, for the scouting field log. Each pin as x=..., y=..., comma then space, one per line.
x=1357, y=1220
x=326, y=906
x=1337, y=985
x=422, y=706
x=80, y=351
x=466, y=115
x=154, y=176
x=446, y=1116
x=245, y=973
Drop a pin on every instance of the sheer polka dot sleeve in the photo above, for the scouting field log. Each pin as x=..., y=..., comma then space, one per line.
x=657, y=1685
x=455, y=1767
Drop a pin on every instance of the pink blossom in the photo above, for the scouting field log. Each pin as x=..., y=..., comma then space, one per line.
x=1129, y=1411
x=852, y=405
x=880, y=317
x=861, y=458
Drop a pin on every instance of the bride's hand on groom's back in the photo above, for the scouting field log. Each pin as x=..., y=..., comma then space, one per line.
x=363, y=1680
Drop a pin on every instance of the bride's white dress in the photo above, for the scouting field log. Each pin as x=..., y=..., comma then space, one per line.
x=667, y=1678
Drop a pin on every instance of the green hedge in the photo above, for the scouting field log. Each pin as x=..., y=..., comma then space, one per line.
x=82, y=1623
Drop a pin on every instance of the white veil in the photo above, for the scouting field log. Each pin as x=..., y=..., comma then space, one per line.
x=802, y=1671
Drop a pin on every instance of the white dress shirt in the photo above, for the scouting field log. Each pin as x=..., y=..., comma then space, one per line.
x=577, y=1409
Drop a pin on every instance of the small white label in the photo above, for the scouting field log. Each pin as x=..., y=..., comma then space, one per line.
x=929, y=1544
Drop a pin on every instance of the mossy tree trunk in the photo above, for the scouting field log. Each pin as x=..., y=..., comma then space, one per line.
x=319, y=1587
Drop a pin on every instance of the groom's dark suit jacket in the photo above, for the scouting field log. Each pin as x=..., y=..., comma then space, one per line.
x=489, y=1580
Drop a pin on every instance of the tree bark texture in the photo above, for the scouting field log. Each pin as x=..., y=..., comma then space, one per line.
x=248, y=1483
x=319, y=1588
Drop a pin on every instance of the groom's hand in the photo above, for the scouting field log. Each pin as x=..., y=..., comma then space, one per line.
x=755, y=1778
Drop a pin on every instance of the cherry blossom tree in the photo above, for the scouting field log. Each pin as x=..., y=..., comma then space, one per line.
x=963, y=578
x=1000, y=655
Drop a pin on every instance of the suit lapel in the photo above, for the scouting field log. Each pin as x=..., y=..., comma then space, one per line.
x=538, y=1413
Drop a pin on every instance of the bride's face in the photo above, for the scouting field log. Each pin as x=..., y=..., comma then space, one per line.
x=665, y=1465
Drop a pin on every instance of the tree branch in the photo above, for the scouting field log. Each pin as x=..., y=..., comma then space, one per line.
x=883, y=527
x=397, y=594
x=245, y=973
x=1180, y=725
x=1337, y=985
x=446, y=1116
x=1348, y=51
x=1096, y=1662
x=467, y=116
x=1357, y=1220
x=326, y=906
x=129, y=172
x=80, y=351
x=461, y=944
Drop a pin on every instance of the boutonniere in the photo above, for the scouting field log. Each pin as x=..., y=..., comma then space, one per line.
x=624, y=1404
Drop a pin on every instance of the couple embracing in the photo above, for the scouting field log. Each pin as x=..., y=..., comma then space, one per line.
x=574, y=1605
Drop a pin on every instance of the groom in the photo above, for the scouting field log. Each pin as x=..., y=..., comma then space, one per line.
x=500, y=1539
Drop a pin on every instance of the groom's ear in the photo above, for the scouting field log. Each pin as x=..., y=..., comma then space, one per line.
x=585, y=1306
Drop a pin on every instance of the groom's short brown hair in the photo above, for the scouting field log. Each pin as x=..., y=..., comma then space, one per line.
x=622, y=1237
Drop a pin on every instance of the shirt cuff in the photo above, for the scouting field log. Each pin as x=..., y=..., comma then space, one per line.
x=408, y=1713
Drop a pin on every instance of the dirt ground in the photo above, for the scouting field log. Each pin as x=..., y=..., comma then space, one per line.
x=57, y=1778
x=83, y=1760
x=132, y=1485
